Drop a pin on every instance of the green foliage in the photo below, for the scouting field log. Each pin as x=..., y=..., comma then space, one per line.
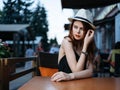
x=39, y=24
x=16, y=12
x=7, y=15
x=4, y=50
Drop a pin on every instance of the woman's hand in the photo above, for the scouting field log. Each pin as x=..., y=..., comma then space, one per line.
x=61, y=76
x=89, y=37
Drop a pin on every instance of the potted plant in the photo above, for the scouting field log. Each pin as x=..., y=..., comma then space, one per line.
x=4, y=50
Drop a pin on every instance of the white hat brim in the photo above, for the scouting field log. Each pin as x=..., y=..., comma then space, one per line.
x=71, y=19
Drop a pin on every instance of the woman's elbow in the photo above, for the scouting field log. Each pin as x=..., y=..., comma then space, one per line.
x=90, y=72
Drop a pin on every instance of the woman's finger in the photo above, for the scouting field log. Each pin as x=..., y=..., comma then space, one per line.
x=55, y=74
x=60, y=79
x=56, y=78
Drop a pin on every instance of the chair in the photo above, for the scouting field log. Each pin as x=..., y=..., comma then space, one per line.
x=117, y=65
x=48, y=63
x=104, y=66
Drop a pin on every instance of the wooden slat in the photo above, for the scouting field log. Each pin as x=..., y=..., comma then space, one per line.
x=17, y=75
x=20, y=59
x=7, y=63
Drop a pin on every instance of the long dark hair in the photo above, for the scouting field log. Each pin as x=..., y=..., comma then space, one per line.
x=91, y=47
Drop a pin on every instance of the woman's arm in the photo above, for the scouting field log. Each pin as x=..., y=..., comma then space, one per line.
x=62, y=76
x=109, y=58
x=71, y=58
x=84, y=73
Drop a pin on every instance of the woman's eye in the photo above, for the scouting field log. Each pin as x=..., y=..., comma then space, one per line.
x=75, y=27
x=81, y=29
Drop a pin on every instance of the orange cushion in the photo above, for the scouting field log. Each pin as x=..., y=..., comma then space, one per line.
x=47, y=71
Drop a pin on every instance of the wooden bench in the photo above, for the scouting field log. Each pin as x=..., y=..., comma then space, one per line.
x=6, y=64
x=5, y=70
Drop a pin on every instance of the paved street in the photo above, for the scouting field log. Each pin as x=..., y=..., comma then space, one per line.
x=15, y=84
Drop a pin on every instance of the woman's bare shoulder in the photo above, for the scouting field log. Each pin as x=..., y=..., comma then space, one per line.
x=66, y=43
x=66, y=40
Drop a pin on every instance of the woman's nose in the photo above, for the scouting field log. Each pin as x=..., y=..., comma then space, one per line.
x=78, y=30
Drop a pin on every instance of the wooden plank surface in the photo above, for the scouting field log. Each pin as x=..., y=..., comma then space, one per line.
x=44, y=83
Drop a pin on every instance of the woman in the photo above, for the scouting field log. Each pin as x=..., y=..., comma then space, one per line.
x=77, y=49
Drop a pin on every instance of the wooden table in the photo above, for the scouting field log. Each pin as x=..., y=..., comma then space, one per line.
x=44, y=83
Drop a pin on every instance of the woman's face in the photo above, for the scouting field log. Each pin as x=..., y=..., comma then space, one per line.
x=78, y=30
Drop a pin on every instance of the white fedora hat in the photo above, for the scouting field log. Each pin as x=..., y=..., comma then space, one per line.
x=85, y=16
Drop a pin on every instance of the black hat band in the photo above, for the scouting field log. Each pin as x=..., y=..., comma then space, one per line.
x=83, y=19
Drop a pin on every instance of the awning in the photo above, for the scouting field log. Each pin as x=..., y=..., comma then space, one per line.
x=8, y=30
x=109, y=17
x=103, y=21
x=12, y=27
x=77, y=4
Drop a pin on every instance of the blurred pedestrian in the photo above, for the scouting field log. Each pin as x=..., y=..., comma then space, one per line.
x=29, y=52
x=97, y=60
x=39, y=48
x=54, y=48
x=111, y=57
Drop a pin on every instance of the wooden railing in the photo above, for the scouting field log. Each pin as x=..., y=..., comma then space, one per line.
x=5, y=69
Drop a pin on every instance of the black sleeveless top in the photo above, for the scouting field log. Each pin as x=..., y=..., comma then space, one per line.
x=63, y=64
